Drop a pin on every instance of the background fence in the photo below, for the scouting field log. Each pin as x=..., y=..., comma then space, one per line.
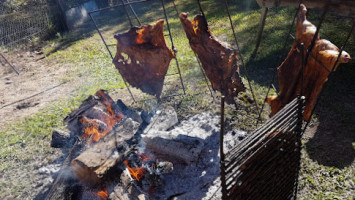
x=22, y=21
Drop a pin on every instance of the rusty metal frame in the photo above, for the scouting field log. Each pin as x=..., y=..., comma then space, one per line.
x=13, y=68
x=130, y=3
x=300, y=126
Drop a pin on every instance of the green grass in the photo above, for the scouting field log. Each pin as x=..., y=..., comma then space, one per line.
x=89, y=65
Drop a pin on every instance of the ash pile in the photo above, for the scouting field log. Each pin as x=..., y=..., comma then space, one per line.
x=115, y=152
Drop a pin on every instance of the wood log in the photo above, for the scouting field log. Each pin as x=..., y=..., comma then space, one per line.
x=163, y=119
x=61, y=139
x=100, y=106
x=66, y=185
x=339, y=7
x=127, y=189
x=94, y=162
x=173, y=146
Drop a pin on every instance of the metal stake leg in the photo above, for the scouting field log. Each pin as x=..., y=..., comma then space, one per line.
x=134, y=13
x=198, y=61
x=126, y=11
x=221, y=152
x=173, y=47
x=18, y=73
x=241, y=58
x=331, y=72
x=103, y=40
x=261, y=28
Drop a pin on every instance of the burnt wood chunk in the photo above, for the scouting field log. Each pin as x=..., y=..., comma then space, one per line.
x=142, y=57
x=94, y=162
x=172, y=146
x=98, y=108
x=61, y=139
x=219, y=60
x=320, y=62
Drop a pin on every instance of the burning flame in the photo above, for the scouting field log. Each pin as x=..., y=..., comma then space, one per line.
x=140, y=39
x=136, y=173
x=103, y=194
x=94, y=130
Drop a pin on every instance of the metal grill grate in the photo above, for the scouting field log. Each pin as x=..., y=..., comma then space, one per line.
x=265, y=165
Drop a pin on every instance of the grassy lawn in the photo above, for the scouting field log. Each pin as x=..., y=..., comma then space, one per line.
x=327, y=157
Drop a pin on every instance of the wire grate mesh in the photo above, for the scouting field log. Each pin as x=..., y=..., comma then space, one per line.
x=265, y=165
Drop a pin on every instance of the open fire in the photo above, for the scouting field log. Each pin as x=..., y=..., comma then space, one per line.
x=136, y=173
x=103, y=194
x=95, y=129
x=123, y=154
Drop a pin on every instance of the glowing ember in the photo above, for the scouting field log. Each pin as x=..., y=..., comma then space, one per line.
x=144, y=157
x=95, y=129
x=103, y=194
x=92, y=129
x=136, y=173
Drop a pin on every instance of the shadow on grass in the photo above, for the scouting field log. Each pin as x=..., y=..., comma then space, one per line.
x=115, y=20
x=332, y=144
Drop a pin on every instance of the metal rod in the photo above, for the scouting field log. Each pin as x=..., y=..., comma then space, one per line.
x=311, y=55
x=263, y=105
x=331, y=73
x=277, y=118
x=261, y=28
x=292, y=24
x=13, y=68
x=221, y=152
x=173, y=47
x=284, y=121
x=240, y=54
x=303, y=65
x=39, y=93
x=274, y=74
x=198, y=60
x=103, y=40
x=126, y=11
x=299, y=133
x=177, y=12
x=116, y=6
x=134, y=13
x=199, y=5
x=310, y=48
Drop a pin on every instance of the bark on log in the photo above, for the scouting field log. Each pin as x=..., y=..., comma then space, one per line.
x=100, y=106
x=173, y=146
x=61, y=139
x=92, y=164
x=339, y=7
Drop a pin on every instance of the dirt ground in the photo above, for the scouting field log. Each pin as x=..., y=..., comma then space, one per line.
x=37, y=85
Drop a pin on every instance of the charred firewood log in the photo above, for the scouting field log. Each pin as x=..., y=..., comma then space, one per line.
x=219, y=59
x=142, y=57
